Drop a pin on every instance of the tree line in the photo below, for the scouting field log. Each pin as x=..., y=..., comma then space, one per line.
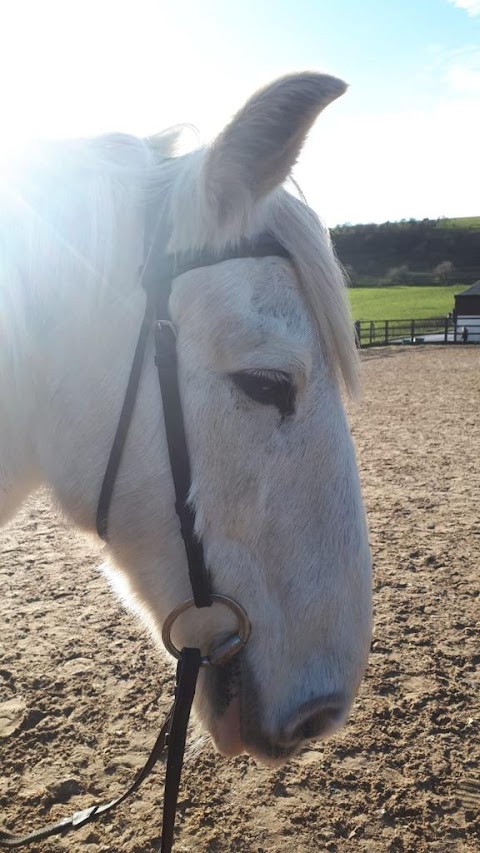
x=429, y=251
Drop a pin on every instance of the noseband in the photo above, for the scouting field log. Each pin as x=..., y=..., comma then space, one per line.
x=159, y=271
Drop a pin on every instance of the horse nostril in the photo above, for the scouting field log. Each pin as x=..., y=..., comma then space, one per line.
x=315, y=719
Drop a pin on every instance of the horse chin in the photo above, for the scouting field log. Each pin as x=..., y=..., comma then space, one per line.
x=226, y=733
x=229, y=723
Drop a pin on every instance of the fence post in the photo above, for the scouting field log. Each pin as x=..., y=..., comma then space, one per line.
x=358, y=332
x=371, y=330
x=412, y=330
x=386, y=331
x=446, y=329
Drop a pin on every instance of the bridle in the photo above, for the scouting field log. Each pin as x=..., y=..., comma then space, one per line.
x=158, y=273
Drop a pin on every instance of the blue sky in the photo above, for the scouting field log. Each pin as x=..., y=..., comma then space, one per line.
x=403, y=141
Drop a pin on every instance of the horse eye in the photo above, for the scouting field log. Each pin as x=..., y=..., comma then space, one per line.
x=271, y=388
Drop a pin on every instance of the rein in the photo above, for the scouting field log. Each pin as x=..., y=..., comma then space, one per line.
x=159, y=272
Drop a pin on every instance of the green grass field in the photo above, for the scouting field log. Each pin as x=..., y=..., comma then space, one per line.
x=460, y=222
x=402, y=303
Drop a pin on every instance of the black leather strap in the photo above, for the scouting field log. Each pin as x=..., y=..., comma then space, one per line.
x=172, y=737
x=79, y=819
x=124, y=421
x=162, y=268
x=166, y=361
x=187, y=673
x=157, y=277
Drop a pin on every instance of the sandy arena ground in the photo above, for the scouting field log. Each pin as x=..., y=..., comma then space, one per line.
x=82, y=691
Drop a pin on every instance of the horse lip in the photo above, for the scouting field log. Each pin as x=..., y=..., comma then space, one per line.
x=226, y=730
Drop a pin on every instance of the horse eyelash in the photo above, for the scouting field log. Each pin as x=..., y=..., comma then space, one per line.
x=280, y=389
x=273, y=375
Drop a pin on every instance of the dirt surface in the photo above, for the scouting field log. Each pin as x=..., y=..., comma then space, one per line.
x=81, y=690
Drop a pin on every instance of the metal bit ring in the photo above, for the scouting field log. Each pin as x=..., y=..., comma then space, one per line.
x=228, y=647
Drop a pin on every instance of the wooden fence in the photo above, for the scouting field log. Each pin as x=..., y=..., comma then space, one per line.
x=372, y=333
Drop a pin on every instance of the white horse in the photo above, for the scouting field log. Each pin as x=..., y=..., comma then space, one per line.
x=276, y=493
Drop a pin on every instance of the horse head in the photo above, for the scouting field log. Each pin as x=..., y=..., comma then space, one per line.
x=263, y=345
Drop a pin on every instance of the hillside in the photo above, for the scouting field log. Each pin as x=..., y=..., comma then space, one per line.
x=410, y=252
x=460, y=222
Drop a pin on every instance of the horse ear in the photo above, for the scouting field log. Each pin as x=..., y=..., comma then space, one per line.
x=257, y=150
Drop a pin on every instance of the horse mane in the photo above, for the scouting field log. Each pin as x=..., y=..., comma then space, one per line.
x=75, y=204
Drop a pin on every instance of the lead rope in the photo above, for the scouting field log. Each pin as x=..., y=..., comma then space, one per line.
x=172, y=737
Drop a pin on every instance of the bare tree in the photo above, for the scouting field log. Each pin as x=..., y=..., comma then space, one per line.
x=398, y=275
x=443, y=271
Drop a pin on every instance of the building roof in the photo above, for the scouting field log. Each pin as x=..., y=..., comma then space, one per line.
x=474, y=290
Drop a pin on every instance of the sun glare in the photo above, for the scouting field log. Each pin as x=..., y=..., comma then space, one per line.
x=76, y=68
